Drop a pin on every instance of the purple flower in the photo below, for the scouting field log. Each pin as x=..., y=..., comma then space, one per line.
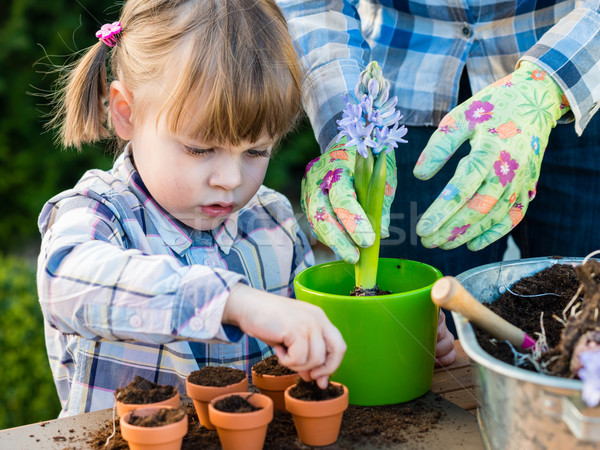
x=320, y=214
x=366, y=103
x=389, y=138
x=457, y=231
x=590, y=375
x=505, y=168
x=330, y=177
x=361, y=137
x=478, y=112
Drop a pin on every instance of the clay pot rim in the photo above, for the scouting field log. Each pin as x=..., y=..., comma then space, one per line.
x=316, y=408
x=124, y=408
x=246, y=420
x=273, y=382
x=207, y=393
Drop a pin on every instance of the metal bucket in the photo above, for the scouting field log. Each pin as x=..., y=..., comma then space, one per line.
x=517, y=408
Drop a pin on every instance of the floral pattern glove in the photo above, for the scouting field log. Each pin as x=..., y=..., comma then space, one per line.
x=508, y=124
x=329, y=201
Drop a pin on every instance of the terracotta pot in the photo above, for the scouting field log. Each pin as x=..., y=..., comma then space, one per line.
x=243, y=430
x=274, y=386
x=124, y=408
x=166, y=437
x=202, y=396
x=317, y=422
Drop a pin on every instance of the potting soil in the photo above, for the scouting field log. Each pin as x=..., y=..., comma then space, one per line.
x=271, y=366
x=216, y=376
x=309, y=390
x=548, y=292
x=142, y=391
x=163, y=416
x=235, y=404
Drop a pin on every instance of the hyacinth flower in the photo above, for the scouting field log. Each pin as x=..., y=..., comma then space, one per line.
x=370, y=123
x=590, y=375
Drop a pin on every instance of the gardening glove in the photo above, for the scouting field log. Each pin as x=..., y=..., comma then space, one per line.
x=329, y=201
x=508, y=124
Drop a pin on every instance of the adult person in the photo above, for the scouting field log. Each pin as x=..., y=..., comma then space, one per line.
x=435, y=54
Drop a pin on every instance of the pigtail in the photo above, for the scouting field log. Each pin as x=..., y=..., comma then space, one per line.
x=81, y=103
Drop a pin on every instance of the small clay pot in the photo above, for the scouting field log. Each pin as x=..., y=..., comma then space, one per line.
x=202, y=396
x=124, y=408
x=166, y=437
x=274, y=386
x=317, y=422
x=243, y=430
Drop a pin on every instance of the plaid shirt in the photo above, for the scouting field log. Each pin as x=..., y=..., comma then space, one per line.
x=127, y=290
x=423, y=46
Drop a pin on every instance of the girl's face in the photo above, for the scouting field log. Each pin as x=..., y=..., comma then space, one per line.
x=197, y=182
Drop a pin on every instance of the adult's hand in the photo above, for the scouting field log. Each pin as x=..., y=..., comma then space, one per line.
x=329, y=202
x=508, y=124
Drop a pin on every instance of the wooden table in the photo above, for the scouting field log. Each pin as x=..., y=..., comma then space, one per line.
x=457, y=429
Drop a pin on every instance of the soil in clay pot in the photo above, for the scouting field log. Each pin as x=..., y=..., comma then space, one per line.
x=216, y=376
x=271, y=366
x=142, y=391
x=235, y=404
x=310, y=391
x=563, y=280
x=163, y=416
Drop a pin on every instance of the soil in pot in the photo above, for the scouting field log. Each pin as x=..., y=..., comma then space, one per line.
x=216, y=376
x=550, y=292
x=310, y=391
x=235, y=404
x=271, y=366
x=163, y=416
x=142, y=391
x=359, y=291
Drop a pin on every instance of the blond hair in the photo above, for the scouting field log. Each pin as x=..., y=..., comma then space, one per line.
x=235, y=56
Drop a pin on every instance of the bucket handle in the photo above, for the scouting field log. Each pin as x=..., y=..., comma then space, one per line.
x=584, y=422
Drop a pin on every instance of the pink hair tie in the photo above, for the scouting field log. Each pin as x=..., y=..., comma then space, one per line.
x=108, y=32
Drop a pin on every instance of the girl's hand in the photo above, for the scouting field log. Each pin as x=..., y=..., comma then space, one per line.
x=445, y=353
x=303, y=337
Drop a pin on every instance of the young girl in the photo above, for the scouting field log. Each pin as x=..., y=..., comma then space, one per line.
x=178, y=257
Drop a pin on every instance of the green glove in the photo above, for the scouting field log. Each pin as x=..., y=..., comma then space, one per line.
x=508, y=124
x=329, y=202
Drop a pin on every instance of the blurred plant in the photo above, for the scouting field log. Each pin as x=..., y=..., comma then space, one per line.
x=28, y=393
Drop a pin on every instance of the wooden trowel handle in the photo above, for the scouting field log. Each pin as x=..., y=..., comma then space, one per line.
x=448, y=293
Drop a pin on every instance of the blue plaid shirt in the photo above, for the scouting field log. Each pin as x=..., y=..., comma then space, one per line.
x=126, y=290
x=423, y=46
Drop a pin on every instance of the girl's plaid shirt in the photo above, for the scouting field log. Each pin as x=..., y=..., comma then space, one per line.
x=126, y=290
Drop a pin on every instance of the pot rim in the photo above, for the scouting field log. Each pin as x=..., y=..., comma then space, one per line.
x=204, y=393
x=248, y=420
x=273, y=382
x=469, y=343
x=368, y=300
x=296, y=406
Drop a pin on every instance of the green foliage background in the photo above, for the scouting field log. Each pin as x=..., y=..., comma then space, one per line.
x=34, y=36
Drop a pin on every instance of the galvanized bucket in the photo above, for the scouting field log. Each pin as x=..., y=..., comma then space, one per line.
x=517, y=408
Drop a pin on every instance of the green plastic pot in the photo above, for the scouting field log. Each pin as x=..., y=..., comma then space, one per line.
x=390, y=338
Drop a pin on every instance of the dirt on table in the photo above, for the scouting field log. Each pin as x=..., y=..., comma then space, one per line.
x=271, y=366
x=163, y=416
x=547, y=298
x=362, y=427
x=217, y=376
x=309, y=390
x=142, y=391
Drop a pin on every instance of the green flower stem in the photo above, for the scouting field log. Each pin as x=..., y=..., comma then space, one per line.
x=362, y=176
x=366, y=267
